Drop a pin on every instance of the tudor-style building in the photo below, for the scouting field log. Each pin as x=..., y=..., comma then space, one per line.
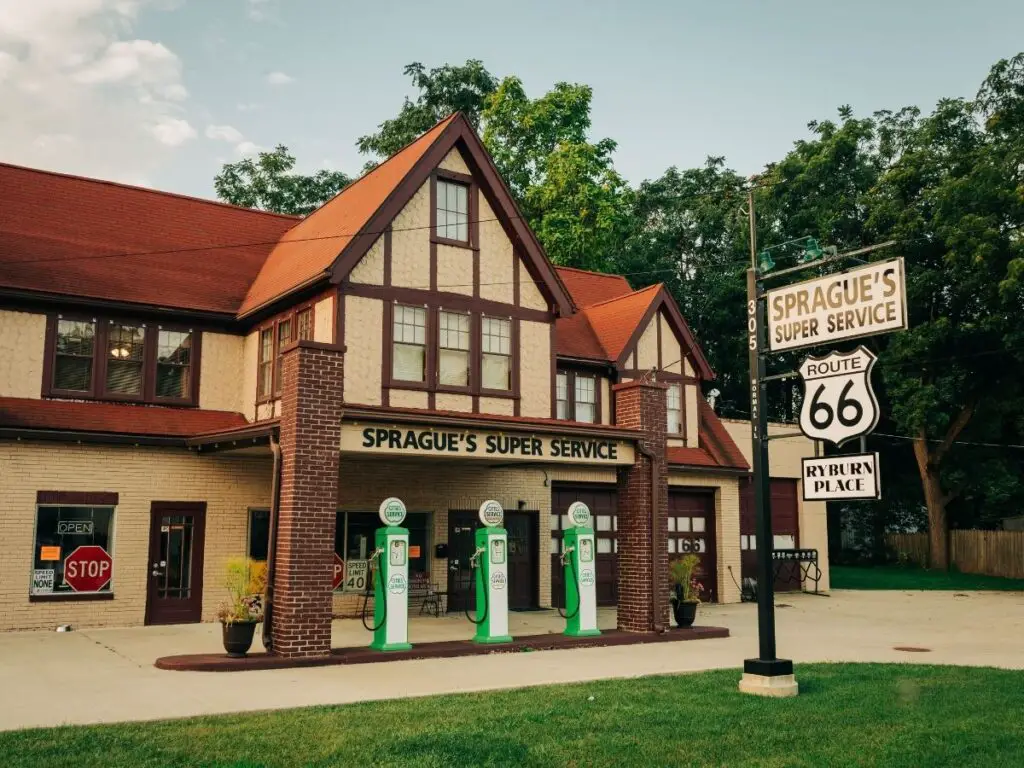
x=183, y=381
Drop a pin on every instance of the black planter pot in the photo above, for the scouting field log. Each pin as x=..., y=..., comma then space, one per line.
x=238, y=638
x=685, y=613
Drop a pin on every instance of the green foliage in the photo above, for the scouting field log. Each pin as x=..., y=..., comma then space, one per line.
x=245, y=581
x=267, y=183
x=681, y=575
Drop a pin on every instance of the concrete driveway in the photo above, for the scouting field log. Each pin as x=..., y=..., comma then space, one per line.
x=107, y=675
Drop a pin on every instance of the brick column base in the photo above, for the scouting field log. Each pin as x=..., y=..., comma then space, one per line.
x=643, y=548
x=311, y=407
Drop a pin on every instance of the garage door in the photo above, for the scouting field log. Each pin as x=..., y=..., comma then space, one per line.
x=603, y=503
x=785, y=529
x=691, y=528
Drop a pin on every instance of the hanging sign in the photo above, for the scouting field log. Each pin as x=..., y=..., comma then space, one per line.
x=838, y=403
x=847, y=305
x=852, y=476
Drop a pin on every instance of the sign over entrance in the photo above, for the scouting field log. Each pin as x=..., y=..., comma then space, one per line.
x=839, y=403
x=853, y=476
x=847, y=305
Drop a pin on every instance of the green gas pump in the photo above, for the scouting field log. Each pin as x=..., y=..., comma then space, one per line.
x=389, y=574
x=490, y=569
x=579, y=561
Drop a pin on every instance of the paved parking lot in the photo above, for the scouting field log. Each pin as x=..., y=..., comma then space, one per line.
x=107, y=675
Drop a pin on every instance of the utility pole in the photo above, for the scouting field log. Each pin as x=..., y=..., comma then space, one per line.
x=765, y=675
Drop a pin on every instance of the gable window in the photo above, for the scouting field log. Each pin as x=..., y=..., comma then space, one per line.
x=409, y=350
x=674, y=408
x=452, y=210
x=453, y=349
x=72, y=368
x=496, y=363
x=266, y=363
x=562, y=396
x=584, y=395
x=107, y=359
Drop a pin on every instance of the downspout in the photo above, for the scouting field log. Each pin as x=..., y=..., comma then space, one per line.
x=275, y=498
x=656, y=596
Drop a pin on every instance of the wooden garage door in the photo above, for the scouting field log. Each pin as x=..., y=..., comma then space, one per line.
x=785, y=529
x=603, y=503
x=691, y=528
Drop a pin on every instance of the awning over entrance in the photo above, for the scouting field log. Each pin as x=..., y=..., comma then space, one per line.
x=438, y=434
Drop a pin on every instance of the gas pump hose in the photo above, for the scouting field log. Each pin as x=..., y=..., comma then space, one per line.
x=374, y=573
x=487, y=606
x=576, y=575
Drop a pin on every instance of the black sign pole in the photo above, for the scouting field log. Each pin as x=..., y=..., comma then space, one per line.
x=767, y=665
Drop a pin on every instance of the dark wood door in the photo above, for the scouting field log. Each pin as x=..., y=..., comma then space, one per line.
x=691, y=529
x=522, y=560
x=603, y=503
x=175, y=566
x=785, y=530
x=461, y=587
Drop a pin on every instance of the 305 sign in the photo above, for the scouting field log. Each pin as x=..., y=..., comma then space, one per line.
x=839, y=403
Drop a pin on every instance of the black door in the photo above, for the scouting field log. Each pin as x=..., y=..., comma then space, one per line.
x=522, y=560
x=461, y=545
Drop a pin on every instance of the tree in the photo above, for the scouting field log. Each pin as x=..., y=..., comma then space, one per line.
x=267, y=184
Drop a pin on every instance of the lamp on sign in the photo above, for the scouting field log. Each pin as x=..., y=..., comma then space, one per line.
x=491, y=513
x=392, y=511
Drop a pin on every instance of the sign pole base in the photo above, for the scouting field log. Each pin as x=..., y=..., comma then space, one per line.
x=772, y=678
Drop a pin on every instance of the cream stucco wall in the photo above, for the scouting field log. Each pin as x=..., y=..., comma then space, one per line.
x=530, y=295
x=410, y=242
x=370, y=268
x=501, y=406
x=229, y=486
x=647, y=347
x=22, y=345
x=691, y=392
x=323, y=320
x=219, y=386
x=455, y=270
x=445, y=401
x=250, y=360
x=407, y=398
x=671, y=350
x=784, y=459
x=454, y=162
x=535, y=369
x=496, y=259
x=363, y=354
x=606, y=399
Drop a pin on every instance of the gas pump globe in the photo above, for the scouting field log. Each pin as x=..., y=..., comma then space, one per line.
x=391, y=580
x=490, y=565
x=578, y=560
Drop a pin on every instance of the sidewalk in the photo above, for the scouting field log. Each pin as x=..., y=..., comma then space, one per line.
x=107, y=675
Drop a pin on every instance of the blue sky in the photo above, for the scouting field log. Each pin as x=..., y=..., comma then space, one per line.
x=161, y=92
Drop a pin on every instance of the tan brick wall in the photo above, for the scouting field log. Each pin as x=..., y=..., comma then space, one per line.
x=727, y=526
x=323, y=320
x=219, y=386
x=370, y=268
x=229, y=486
x=535, y=369
x=22, y=344
x=410, y=242
x=496, y=259
x=363, y=340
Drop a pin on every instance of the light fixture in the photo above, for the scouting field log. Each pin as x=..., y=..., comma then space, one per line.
x=812, y=252
x=765, y=263
x=120, y=352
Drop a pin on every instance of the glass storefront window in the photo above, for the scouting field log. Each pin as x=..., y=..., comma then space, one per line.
x=60, y=530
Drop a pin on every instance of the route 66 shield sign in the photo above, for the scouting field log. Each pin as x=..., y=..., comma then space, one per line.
x=839, y=403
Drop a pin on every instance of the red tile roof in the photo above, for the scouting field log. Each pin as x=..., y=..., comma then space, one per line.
x=311, y=246
x=112, y=418
x=717, y=448
x=588, y=288
x=615, y=320
x=66, y=235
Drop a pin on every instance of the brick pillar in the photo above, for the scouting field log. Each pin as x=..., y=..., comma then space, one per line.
x=311, y=407
x=642, y=406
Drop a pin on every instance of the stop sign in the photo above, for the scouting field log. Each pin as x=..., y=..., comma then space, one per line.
x=88, y=568
x=339, y=571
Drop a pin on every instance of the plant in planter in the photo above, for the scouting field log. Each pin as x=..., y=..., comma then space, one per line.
x=245, y=581
x=686, y=590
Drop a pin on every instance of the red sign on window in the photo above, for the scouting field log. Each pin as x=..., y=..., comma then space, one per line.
x=339, y=571
x=88, y=568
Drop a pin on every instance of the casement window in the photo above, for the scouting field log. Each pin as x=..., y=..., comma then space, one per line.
x=453, y=349
x=265, y=381
x=284, y=338
x=60, y=530
x=120, y=360
x=452, y=211
x=577, y=397
x=354, y=543
x=562, y=396
x=496, y=360
x=674, y=408
x=274, y=338
x=304, y=324
x=409, y=343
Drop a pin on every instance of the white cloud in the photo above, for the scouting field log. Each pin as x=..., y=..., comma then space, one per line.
x=250, y=106
x=81, y=94
x=258, y=10
x=223, y=133
x=279, y=78
x=247, y=148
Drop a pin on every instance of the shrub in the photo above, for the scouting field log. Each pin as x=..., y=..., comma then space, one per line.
x=245, y=581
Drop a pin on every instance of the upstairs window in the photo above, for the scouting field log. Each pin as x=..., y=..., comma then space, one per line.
x=496, y=363
x=576, y=397
x=585, y=397
x=562, y=396
x=120, y=360
x=265, y=380
x=284, y=338
x=452, y=211
x=304, y=324
x=409, y=350
x=674, y=408
x=453, y=349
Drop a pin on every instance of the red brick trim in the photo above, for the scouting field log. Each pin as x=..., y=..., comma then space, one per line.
x=85, y=498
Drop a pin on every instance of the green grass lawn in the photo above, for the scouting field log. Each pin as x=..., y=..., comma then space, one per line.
x=846, y=714
x=895, y=577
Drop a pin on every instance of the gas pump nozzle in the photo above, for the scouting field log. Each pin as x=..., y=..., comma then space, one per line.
x=564, y=557
x=474, y=559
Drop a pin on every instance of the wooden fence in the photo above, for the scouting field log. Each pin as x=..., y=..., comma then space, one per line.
x=993, y=553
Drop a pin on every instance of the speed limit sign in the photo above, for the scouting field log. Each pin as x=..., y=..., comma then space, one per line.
x=839, y=403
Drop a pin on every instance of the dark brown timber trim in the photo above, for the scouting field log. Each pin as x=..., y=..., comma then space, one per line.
x=455, y=301
x=76, y=498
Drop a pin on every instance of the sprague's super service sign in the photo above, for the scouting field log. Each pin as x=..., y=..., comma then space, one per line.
x=846, y=305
